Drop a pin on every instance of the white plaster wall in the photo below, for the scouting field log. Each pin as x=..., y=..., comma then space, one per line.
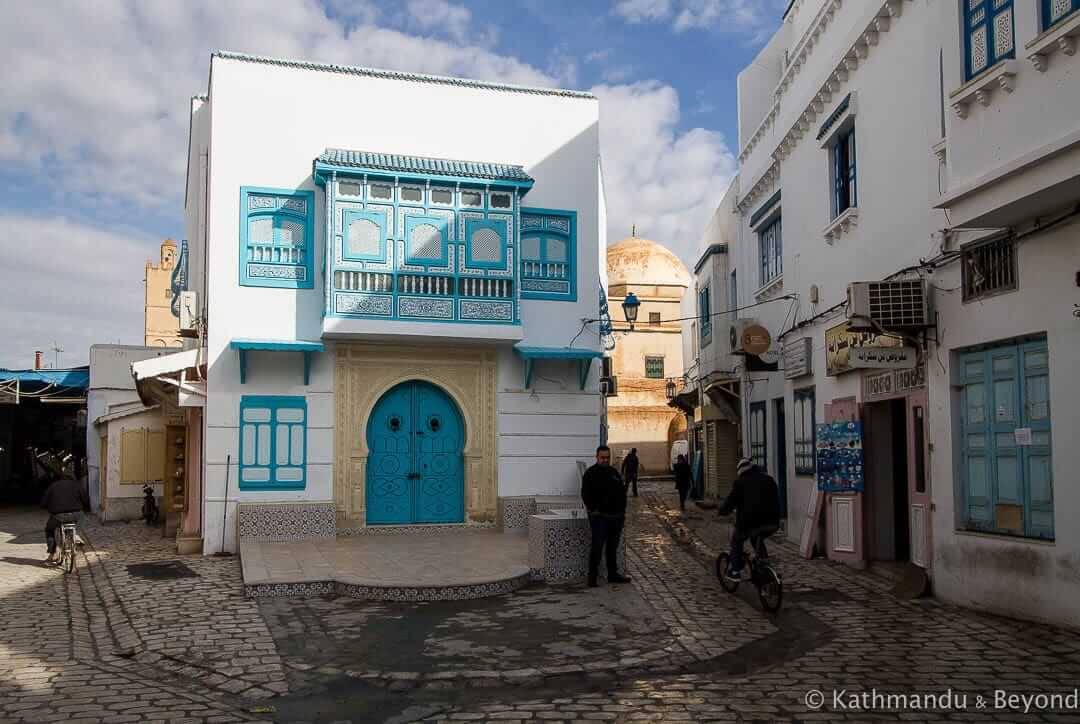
x=1008, y=128
x=545, y=431
x=268, y=126
x=151, y=420
x=895, y=196
x=1012, y=576
x=111, y=383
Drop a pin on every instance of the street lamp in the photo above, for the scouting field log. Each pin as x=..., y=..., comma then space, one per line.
x=630, y=309
x=669, y=388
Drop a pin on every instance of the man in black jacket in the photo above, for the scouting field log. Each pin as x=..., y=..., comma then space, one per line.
x=604, y=495
x=64, y=500
x=630, y=470
x=756, y=500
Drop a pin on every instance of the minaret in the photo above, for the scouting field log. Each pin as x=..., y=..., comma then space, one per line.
x=160, y=327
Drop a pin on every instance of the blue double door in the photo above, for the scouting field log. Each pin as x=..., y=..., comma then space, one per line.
x=415, y=472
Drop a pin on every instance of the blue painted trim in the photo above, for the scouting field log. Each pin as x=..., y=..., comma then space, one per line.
x=277, y=345
x=571, y=251
x=243, y=346
x=1046, y=15
x=274, y=403
x=833, y=118
x=440, y=223
x=379, y=220
x=310, y=244
x=557, y=353
x=765, y=208
x=321, y=170
x=500, y=228
x=714, y=249
x=178, y=280
x=984, y=14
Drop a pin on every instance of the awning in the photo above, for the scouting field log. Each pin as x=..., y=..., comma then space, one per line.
x=243, y=346
x=584, y=358
x=182, y=374
x=722, y=400
x=125, y=409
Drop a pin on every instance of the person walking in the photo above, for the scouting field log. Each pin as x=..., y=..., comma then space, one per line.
x=604, y=496
x=682, y=480
x=630, y=467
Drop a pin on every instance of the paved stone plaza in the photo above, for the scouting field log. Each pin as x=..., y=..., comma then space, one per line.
x=140, y=634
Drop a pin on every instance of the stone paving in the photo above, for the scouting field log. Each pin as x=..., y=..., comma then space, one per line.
x=126, y=639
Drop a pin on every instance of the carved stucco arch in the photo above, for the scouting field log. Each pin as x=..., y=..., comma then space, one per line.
x=363, y=373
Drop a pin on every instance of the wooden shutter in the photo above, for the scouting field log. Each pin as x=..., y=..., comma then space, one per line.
x=155, y=455
x=133, y=456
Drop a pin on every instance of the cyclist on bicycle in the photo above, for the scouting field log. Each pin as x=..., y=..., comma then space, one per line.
x=64, y=500
x=756, y=500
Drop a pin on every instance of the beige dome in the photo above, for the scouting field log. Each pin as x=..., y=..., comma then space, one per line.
x=640, y=261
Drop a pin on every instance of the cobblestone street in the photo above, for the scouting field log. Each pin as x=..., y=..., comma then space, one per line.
x=126, y=639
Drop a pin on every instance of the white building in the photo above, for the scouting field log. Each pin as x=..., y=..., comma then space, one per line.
x=899, y=143
x=390, y=270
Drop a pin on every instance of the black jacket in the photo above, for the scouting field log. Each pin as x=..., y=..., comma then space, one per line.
x=602, y=491
x=756, y=500
x=65, y=496
x=630, y=465
x=683, y=475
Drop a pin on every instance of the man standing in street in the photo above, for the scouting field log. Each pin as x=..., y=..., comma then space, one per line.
x=630, y=467
x=604, y=496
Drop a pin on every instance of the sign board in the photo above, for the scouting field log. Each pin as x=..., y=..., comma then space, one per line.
x=889, y=358
x=1022, y=435
x=840, y=457
x=798, y=358
x=750, y=339
x=840, y=340
x=880, y=385
x=9, y=394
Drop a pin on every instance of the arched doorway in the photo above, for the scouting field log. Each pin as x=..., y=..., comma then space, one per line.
x=415, y=438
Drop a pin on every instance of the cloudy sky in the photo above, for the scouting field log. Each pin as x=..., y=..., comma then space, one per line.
x=93, y=120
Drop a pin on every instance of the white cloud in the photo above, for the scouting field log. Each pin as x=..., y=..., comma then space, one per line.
x=665, y=182
x=737, y=16
x=640, y=11
x=438, y=15
x=102, y=117
x=87, y=289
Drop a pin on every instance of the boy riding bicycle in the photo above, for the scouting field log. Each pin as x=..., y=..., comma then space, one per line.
x=756, y=500
x=65, y=500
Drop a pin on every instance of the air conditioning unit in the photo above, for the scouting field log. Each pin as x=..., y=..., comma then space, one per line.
x=893, y=305
x=189, y=311
x=748, y=336
x=609, y=386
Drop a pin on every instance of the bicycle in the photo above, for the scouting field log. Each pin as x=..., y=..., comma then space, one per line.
x=67, y=547
x=765, y=578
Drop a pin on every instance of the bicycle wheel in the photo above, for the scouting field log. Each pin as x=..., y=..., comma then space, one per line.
x=770, y=589
x=69, y=550
x=721, y=569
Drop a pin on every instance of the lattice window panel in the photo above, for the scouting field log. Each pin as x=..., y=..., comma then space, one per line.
x=364, y=238
x=530, y=247
x=486, y=245
x=261, y=202
x=556, y=250
x=291, y=233
x=1003, y=33
x=261, y=231
x=426, y=242
x=898, y=304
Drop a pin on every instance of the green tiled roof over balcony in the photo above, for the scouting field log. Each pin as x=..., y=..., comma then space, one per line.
x=368, y=162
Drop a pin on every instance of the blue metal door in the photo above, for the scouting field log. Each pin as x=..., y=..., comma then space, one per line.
x=415, y=471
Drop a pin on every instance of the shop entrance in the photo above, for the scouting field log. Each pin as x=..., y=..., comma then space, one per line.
x=888, y=536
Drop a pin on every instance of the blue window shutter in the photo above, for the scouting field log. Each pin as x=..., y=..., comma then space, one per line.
x=273, y=443
x=976, y=474
x=850, y=145
x=1038, y=457
x=1054, y=11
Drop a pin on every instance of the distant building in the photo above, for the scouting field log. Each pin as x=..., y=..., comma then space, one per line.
x=639, y=415
x=161, y=326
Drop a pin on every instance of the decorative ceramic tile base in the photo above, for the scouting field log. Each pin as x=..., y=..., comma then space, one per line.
x=559, y=546
x=513, y=512
x=286, y=521
x=388, y=593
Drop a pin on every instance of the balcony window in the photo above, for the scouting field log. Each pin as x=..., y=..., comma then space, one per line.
x=771, y=252
x=412, y=195
x=501, y=201
x=548, y=253
x=276, y=238
x=473, y=199
x=988, y=34
x=705, y=314
x=349, y=189
x=443, y=197
x=380, y=192
x=842, y=154
x=1054, y=11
